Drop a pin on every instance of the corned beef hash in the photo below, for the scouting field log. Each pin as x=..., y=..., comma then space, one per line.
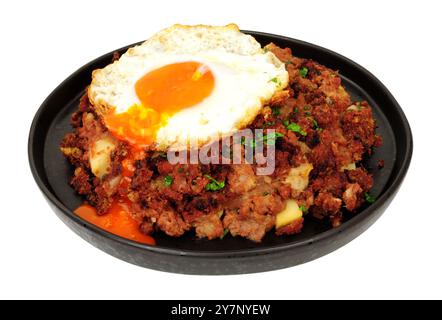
x=150, y=120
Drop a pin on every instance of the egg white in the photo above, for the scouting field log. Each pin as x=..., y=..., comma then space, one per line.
x=246, y=77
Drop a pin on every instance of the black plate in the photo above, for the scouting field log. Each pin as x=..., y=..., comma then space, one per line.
x=230, y=255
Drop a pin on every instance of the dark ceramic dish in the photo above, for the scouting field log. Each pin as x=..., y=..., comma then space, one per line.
x=230, y=255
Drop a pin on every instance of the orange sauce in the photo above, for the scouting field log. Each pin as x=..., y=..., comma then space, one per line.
x=117, y=221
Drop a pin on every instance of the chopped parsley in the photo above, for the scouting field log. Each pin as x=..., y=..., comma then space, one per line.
x=275, y=80
x=369, y=198
x=268, y=124
x=294, y=127
x=303, y=72
x=359, y=106
x=159, y=154
x=250, y=142
x=296, y=110
x=315, y=125
x=303, y=208
x=288, y=62
x=276, y=111
x=270, y=139
x=265, y=193
x=226, y=231
x=168, y=180
x=214, y=185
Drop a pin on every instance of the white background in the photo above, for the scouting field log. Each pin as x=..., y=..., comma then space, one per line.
x=42, y=42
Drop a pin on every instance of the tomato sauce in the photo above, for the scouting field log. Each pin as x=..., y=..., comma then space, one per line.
x=117, y=221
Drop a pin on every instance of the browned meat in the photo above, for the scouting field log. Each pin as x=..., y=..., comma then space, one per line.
x=361, y=177
x=326, y=205
x=359, y=124
x=101, y=199
x=252, y=226
x=73, y=148
x=318, y=124
x=146, y=227
x=352, y=196
x=209, y=226
x=292, y=228
x=241, y=178
x=80, y=181
x=333, y=183
x=172, y=224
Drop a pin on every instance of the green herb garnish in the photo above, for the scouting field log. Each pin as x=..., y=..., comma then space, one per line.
x=276, y=111
x=288, y=62
x=315, y=125
x=270, y=139
x=268, y=124
x=359, y=106
x=168, y=180
x=369, y=198
x=251, y=142
x=303, y=208
x=265, y=193
x=295, y=128
x=161, y=154
x=303, y=72
x=275, y=80
x=214, y=185
x=226, y=231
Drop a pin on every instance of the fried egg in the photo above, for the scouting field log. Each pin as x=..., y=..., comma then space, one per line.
x=186, y=83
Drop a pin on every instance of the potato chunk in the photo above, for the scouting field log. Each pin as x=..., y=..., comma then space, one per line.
x=298, y=177
x=349, y=167
x=291, y=213
x=99, y=157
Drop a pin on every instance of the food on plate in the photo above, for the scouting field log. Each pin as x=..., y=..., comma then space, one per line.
x=189, y=87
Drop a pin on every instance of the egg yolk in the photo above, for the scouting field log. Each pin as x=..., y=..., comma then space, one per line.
x=162, y=92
